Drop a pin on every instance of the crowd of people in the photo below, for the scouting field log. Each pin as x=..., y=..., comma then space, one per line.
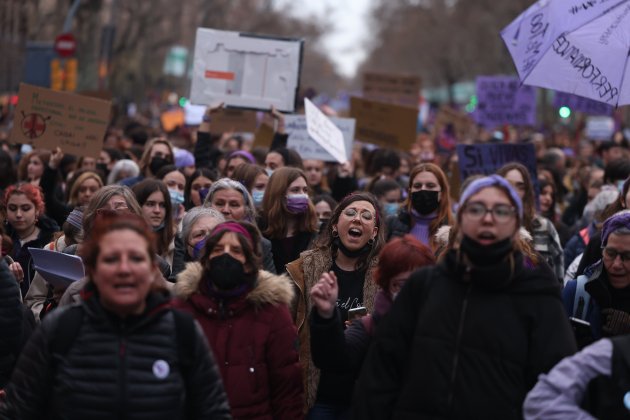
x=230, y=281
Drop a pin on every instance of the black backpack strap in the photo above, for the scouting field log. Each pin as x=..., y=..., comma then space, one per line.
x=66, y=330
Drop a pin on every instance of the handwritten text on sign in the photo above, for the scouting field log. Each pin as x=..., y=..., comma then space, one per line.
x=48, y=119
x=324, y=132
x=502, y=100
x=295, y=126
x=485, y=159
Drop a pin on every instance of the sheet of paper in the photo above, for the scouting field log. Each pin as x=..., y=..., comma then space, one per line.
x=57, y=268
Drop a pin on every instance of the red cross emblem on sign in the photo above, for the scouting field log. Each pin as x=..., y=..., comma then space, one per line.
x=33, y=125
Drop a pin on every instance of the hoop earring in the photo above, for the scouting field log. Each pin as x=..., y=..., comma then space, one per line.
x=370, y=241
x=335, y=234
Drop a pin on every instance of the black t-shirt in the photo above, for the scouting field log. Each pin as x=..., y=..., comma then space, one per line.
x=337, y=387
x=350, y=290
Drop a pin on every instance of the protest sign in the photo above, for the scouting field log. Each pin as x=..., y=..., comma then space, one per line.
x=246, y=71
x=307, y=147
x=233, y=120
x=485, y=159
x=263, y=136
x=581, y=104
x=48, y=119
x=193, y=114
x=392, y=88
x=324, y=132
x=503, y=100
x=599, y=128
x=458, y=123
x=385, y=125
x=57, y=268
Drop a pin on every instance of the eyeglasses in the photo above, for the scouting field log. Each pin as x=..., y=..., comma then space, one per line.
x=611, y=255
x=501, y=213
x=366, y=215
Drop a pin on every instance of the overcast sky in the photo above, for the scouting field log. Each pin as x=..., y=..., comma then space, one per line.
x=346, y=42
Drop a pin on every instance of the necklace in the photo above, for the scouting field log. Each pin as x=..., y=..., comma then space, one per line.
x=33, y=234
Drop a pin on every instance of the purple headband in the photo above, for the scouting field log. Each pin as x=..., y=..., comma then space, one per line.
x=244, y=154
x=233, y=227
x=613, y=223
x=492, y=181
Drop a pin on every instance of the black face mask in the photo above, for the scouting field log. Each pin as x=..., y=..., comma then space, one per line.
x=102, y=168
x=425, y=201
x=485, y=255
x=351, y=254
x=157, y=163
x=227, y=273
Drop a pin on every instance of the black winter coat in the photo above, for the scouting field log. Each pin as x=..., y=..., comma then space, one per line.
x=115, y=369
x=464, y=342
x=21, y=254
x=11, y=316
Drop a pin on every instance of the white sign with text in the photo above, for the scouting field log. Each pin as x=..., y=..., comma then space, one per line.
x=307, y=147
x=324, y=132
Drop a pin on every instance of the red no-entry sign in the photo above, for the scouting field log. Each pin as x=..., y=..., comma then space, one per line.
x=65, y=45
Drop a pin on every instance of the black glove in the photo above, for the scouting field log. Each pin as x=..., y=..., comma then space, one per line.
x=616, y=322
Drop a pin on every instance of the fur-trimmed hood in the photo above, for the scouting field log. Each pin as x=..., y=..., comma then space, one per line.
x=270, y=288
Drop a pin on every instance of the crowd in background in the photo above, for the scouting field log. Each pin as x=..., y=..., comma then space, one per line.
x=384, y=287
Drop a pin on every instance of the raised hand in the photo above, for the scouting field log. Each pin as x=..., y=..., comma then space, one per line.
x=324, y=295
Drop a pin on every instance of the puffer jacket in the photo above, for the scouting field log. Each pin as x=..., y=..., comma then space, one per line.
x=254, y=341
x=464, y=342
x=115, y=369
x=11, y=316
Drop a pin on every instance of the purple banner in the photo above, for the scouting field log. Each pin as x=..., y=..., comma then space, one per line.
x=503, y=100
x=580, y=104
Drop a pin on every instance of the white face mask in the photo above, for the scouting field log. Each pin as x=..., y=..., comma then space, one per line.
x=269, y=171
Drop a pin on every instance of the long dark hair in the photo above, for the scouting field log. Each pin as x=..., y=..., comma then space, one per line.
x=142, y=191
x=326, y=238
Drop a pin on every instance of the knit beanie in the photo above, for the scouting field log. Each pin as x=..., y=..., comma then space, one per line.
x=491, y=181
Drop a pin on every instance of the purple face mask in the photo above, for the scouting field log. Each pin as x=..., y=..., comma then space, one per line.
x=297, y=203
x=198, y=248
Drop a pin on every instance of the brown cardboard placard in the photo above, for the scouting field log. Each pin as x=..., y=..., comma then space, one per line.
x=233, y=120
x=392, y=88
x=48, y=119
x=386, y=125
x=462, y=123
x=264, y=136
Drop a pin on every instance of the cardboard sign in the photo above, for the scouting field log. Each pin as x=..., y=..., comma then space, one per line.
x=246, y=71
x=392, y=88
x=385, y=125
x=503, y=100
x=48, y=119
x=307, y=147
x=263, y=136
x=233, y=120
x=581, y=104
x=460, y=123
x=485, y=159
x=324, y=132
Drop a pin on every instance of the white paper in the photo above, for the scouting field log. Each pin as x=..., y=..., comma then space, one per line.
x=301, y=142
x=193, y=114
x=57, y=268
x=324, y=132
x=245, y=71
